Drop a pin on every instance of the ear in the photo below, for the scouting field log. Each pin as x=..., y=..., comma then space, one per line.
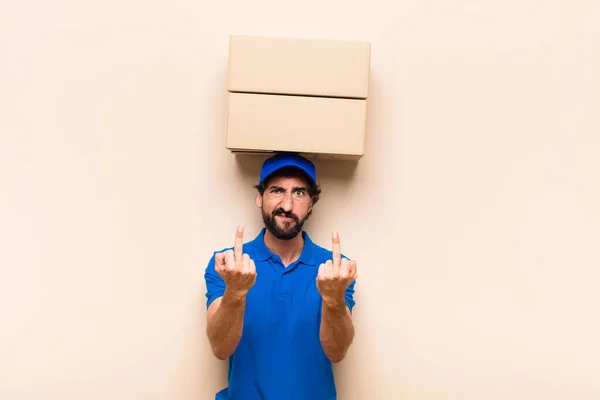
x=259, y=200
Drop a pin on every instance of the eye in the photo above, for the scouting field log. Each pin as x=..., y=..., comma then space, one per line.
x=300, y=193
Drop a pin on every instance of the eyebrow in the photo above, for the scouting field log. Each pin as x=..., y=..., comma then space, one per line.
x=293, y=189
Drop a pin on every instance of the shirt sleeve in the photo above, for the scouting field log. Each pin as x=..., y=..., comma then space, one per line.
x=350, y=296
x=350, y=302
x=215, y=286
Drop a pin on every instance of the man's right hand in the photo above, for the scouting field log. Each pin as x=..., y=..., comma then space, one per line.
x=237, y=269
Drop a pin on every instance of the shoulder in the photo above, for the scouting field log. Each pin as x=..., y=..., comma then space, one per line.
x=246, y=247
x=322, y=254
x=211, y=261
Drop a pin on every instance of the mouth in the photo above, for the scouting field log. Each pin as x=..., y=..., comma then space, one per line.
x=283, y=217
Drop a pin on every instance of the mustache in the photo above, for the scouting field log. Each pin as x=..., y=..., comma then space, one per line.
x=288, y=214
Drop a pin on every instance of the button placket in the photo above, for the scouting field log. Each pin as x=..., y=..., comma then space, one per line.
x=284, y=284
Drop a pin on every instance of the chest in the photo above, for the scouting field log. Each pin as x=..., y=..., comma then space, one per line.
x=283, y=300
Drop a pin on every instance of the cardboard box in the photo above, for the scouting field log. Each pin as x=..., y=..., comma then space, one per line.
x=308, y=67
x=325, y=127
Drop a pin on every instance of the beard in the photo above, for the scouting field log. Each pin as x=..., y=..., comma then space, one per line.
x=289, y=230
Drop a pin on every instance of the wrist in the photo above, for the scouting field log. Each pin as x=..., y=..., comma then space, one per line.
x=234, y=296
x=337, y=303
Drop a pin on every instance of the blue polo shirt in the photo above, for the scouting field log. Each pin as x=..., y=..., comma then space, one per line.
x=279, y=356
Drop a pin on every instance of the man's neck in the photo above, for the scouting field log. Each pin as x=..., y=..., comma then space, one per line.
x=288, y=250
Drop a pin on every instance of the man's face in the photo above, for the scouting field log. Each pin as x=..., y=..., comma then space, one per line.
x=285, y=206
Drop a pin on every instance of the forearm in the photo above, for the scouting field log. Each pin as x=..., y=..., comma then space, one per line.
x=337, y=330
x=226, y=325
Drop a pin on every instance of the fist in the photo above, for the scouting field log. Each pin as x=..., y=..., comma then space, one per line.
x=237, y=269
x=335, y=275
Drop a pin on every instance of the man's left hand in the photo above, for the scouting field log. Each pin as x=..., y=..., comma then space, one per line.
x=335, y=275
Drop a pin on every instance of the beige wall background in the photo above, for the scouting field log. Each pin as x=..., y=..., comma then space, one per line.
x=474, y=215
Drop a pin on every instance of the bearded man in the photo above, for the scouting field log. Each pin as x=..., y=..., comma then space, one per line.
x=279, y=307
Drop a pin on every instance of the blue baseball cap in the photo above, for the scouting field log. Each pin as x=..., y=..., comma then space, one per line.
x=282, y=160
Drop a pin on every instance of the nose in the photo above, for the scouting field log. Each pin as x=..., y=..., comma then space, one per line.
x=287, y=202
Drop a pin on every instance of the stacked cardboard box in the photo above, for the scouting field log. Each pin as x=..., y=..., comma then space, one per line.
x=302, y=95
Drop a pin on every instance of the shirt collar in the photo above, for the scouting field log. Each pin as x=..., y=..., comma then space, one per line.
x=262, y=252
